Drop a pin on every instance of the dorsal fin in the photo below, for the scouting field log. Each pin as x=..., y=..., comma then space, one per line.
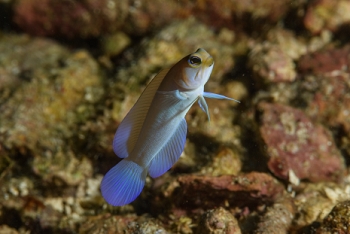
x=130, y=127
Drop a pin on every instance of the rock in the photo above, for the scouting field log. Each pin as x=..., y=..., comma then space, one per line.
x=61, y=95
x=106, y=223
x=315, y=201
x=327, y=86
x=70, y=18
x=6, y=163
x=326, y=91
x=56, y=92
x=121, y=224
x=17, y=187
x=218, y=221
x=289, y=43
x=278, y=218
x=114, y=44
x=49, y=95
x=271, y=64
x=225, y=162
x=86, y=18
x=338, y=220
x=207, y=192
x=4, y=229
x=329, y=61
x=208, y=158
x=57, y=169
x=327, y=14
x=295, y=144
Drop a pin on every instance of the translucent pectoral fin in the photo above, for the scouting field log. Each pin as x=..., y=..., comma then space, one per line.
x=218, y=96
x=170, y=153
x=203, y=104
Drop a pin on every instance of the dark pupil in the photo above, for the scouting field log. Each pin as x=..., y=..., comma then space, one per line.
x=195, y=60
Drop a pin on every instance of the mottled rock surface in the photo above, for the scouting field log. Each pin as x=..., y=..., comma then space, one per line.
x=327, y=14
x=88, y=18
x=121, y=224
x=69, y=18
x=338, y=220
x=294, y=143
x=315, y=202
x=326, y=90
x=218, y=221
x=271, y=64
x=278, y=217
x=250, y=189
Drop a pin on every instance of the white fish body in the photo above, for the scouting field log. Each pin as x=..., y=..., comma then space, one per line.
x=152, y=136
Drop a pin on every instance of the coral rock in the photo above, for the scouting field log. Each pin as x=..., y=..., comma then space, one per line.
x=272, y=64
x=249, y=189
x=338, y=220
x=277, y=218
x=294, y=144
x=327, y=14
x=69, y=18
x=218, y=221
x=325, y=61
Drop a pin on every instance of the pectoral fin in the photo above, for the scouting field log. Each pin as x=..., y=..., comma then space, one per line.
x=204, y=106
x=218, y=96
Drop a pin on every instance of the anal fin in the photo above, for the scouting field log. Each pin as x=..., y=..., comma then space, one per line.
x=170, y=153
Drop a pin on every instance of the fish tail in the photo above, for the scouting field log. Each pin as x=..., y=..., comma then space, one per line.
x=123, y=183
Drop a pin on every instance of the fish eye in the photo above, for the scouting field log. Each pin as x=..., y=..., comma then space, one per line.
x=194, y=60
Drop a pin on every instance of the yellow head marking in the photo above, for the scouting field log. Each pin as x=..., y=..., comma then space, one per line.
x=196, y=70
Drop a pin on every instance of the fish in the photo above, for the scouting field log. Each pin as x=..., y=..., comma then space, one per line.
x=152, y=136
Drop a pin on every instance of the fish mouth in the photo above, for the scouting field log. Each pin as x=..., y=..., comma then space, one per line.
x=205, y=70
x=198, y=74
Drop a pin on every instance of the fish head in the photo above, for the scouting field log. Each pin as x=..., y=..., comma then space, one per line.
x=195, y=70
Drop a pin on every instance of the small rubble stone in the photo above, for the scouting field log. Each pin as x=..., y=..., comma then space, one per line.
x=271, y=64
x=218, y=221
x=315, y=201
x=338, y=220
x=225, y=162
x=277, y=218
x=249, y=189
x=129, y=224
x=4, y=229
x=327, y=14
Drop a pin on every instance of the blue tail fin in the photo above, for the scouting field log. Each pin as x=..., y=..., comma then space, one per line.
x=123, y=183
